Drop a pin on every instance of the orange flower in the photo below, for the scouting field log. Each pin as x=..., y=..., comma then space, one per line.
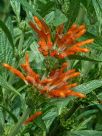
x=14, y=71
x=55, y=85
x=44, y=35
x=64, y=44
x=32, y=117
x=29, y=72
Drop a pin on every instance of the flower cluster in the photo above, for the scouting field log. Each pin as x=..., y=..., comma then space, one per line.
x=57, y=83
x=64, y=44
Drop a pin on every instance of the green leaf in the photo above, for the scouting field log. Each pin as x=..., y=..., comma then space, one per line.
x=37, y=57
x=98, y=9
x=87, y=114
x=1, y=129
x=6, y=51
x=73, y=11
x=40, y=123
x=89, y=86
x=7, y=86
x=28, y=8
x=84, y=123
x=10, y=113
x=97, y=45
x=79, y=57
x=16, y=7
x=86, y=133
x=56, y=17
x=7, y=32
x=44, y=5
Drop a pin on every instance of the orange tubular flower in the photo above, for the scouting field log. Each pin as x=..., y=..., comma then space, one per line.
x=44, y=35
x=64, y=44
x=32, y=117
x=55, y=85
x=14, y=71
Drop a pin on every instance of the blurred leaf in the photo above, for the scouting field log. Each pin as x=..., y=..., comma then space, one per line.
x=9, y=25
x=10, y=113
x=37, y=57
x=98, y=9
x=97, y=41
x=62, y=103
x=79, y=57
x=7, y=86
x=40, y=123
x=7, y=32
x=16, y=7
x=73, y=11
x=56, y=17
x=6, y=52
x=84, y=123
x=1, y=129
x=89, y=86
x=44, y=5
x=86, y=133
x=87, y=114
x=28, y=8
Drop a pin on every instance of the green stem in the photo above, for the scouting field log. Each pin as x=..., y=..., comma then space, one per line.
x=17, y=127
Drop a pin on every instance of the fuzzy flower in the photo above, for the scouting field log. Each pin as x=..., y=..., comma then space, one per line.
x=55, y=85
x=65, y=44
x=33, y=117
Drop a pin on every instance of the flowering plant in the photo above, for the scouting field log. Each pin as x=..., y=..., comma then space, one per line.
x=47, y=69
x=56, y=85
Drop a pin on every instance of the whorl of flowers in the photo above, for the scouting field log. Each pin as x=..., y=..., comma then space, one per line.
x=64, y=45
x=57, y=83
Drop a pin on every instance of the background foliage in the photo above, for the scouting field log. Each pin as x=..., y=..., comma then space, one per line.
x=68, y=117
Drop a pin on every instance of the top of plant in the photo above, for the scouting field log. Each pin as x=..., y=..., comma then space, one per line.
x=65, y=44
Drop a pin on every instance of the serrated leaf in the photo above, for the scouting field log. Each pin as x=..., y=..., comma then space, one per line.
x=6, y=51
x=16, y=7
x=89, y=86
x=7, y=33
